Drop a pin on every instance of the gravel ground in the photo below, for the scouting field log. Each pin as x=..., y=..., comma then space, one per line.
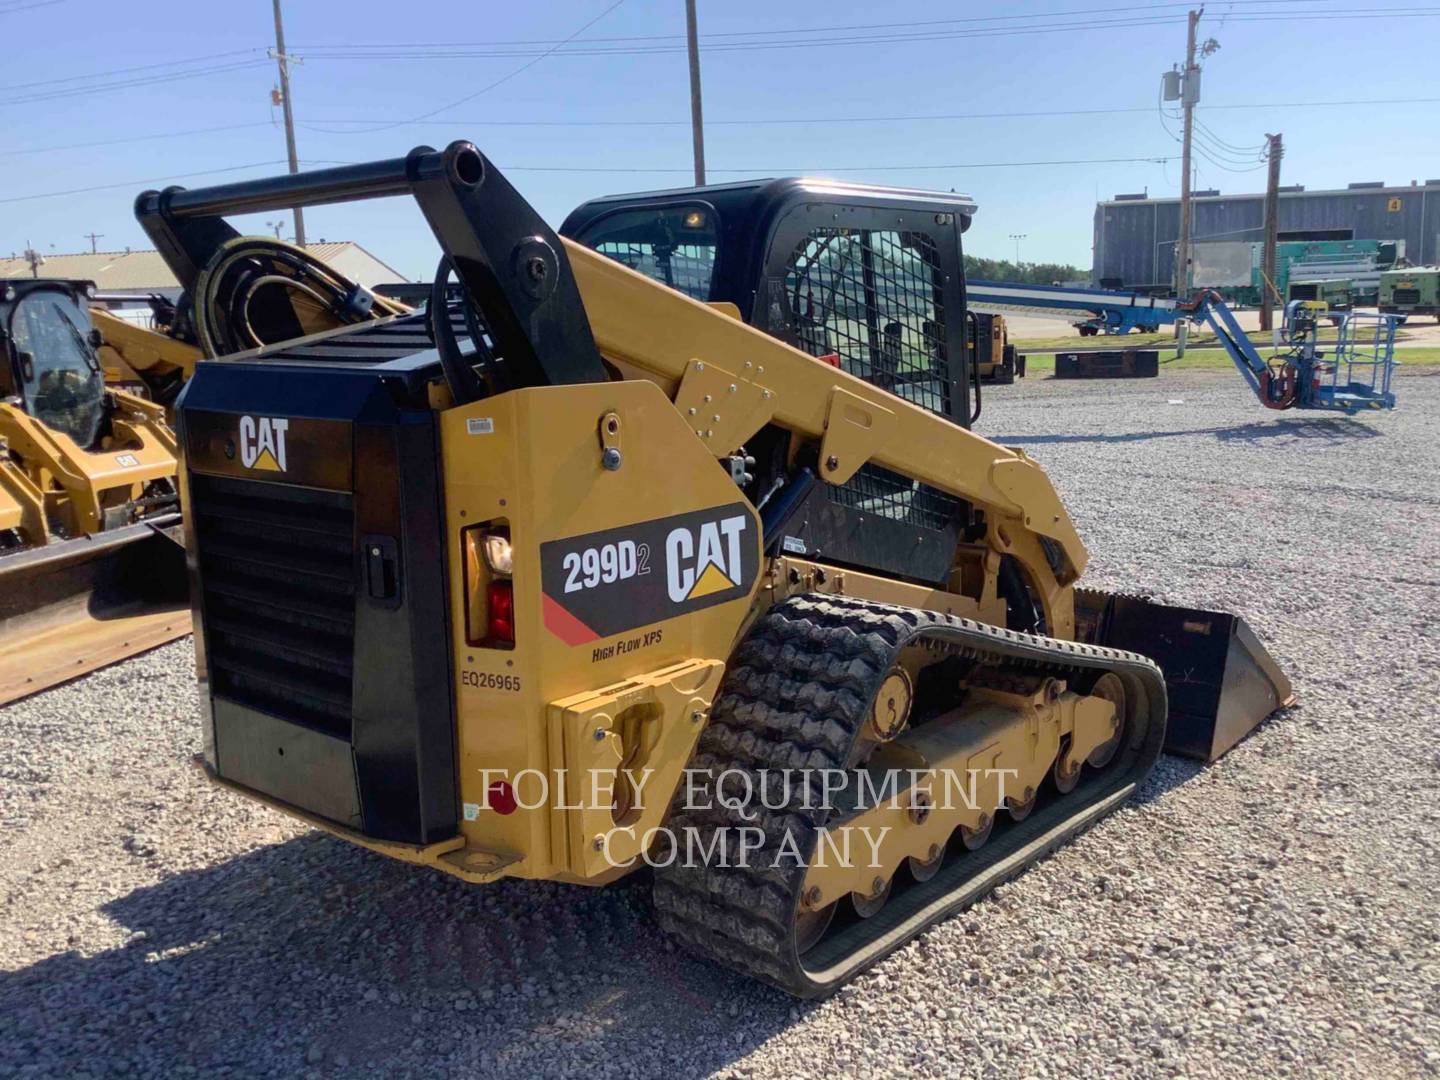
x=1275, y=914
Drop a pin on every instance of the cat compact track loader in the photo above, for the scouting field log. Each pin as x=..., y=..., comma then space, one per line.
x=579, y=572
x=91, y=562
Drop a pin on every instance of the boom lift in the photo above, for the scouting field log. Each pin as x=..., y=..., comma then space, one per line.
x=458, y=573
x=1355, y=378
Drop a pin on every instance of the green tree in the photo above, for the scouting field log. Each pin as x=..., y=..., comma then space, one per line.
x=1022, y=273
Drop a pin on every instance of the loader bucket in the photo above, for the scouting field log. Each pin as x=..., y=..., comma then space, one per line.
x=73, y=606
x=1220, y=679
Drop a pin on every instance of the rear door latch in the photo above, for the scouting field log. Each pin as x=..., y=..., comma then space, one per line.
x=382, y=569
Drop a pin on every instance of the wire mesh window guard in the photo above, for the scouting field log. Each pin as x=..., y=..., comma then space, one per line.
x=875, y=298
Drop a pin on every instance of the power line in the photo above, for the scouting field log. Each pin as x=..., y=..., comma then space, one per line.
x=809, y=121
x=1220, y=152
x=124, y=84
x=383, y=53
x=139, y=183
x=626, y=169
x=1241, y=151
x=822, y=170
x=134, y=138
x=498, y=82
x=709, y=37
x=770, y=121
x=1130, y=16
x=756, y=122
x=714, y=38
x=28, y=7
x=1200, y=149
x=496, y=51
x=131, y=70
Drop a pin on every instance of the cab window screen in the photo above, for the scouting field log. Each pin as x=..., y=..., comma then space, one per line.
x=675, y=245
x=874, y=297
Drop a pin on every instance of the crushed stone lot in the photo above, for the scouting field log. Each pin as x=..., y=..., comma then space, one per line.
x=1277, y=914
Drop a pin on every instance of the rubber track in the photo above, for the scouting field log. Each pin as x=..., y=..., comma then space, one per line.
x=795, y=697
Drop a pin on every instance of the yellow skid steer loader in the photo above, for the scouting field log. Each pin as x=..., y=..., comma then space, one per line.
x=91, y=563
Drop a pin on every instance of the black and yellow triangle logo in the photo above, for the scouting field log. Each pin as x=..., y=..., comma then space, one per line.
x=267, y=461
x=713, y=580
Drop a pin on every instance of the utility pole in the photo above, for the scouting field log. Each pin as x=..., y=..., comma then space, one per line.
x=1189, y=94
x=92, y=237
x=1274, y=151
x=283, y=61
x=697, y=121
x=34, y=258
x=1017, y=237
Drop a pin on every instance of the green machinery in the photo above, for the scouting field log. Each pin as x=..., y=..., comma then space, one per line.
x=1414, y=290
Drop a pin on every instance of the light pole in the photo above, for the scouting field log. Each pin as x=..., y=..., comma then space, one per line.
x=284, y=61
x=1017, y=237
x=697, y=123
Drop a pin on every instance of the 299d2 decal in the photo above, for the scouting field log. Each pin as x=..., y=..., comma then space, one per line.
x=605, y=583
x=605, y=564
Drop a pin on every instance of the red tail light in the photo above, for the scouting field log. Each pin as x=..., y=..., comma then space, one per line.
x=500, y=597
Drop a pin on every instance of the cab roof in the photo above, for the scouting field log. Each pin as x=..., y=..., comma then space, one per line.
x=955, y=201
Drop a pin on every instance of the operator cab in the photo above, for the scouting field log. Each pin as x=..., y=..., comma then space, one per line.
x=868, y=278
x=49, y=362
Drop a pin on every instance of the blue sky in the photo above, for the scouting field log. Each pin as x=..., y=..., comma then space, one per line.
x=1282, y=51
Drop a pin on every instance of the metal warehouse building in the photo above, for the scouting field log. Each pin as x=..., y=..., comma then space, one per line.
x=1135, y=236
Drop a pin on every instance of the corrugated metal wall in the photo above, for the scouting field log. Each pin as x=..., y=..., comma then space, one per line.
x=1135, y=239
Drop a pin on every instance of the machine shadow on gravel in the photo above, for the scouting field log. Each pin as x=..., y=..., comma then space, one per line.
x=1322, y=430
x=311, y=947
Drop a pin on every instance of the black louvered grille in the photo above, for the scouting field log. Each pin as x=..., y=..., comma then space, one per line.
x=277, y=581
x=368, y=343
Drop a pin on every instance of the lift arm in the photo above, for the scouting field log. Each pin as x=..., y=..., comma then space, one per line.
x=1209, y=308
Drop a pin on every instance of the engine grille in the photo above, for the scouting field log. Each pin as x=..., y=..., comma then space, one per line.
x=277, y=574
